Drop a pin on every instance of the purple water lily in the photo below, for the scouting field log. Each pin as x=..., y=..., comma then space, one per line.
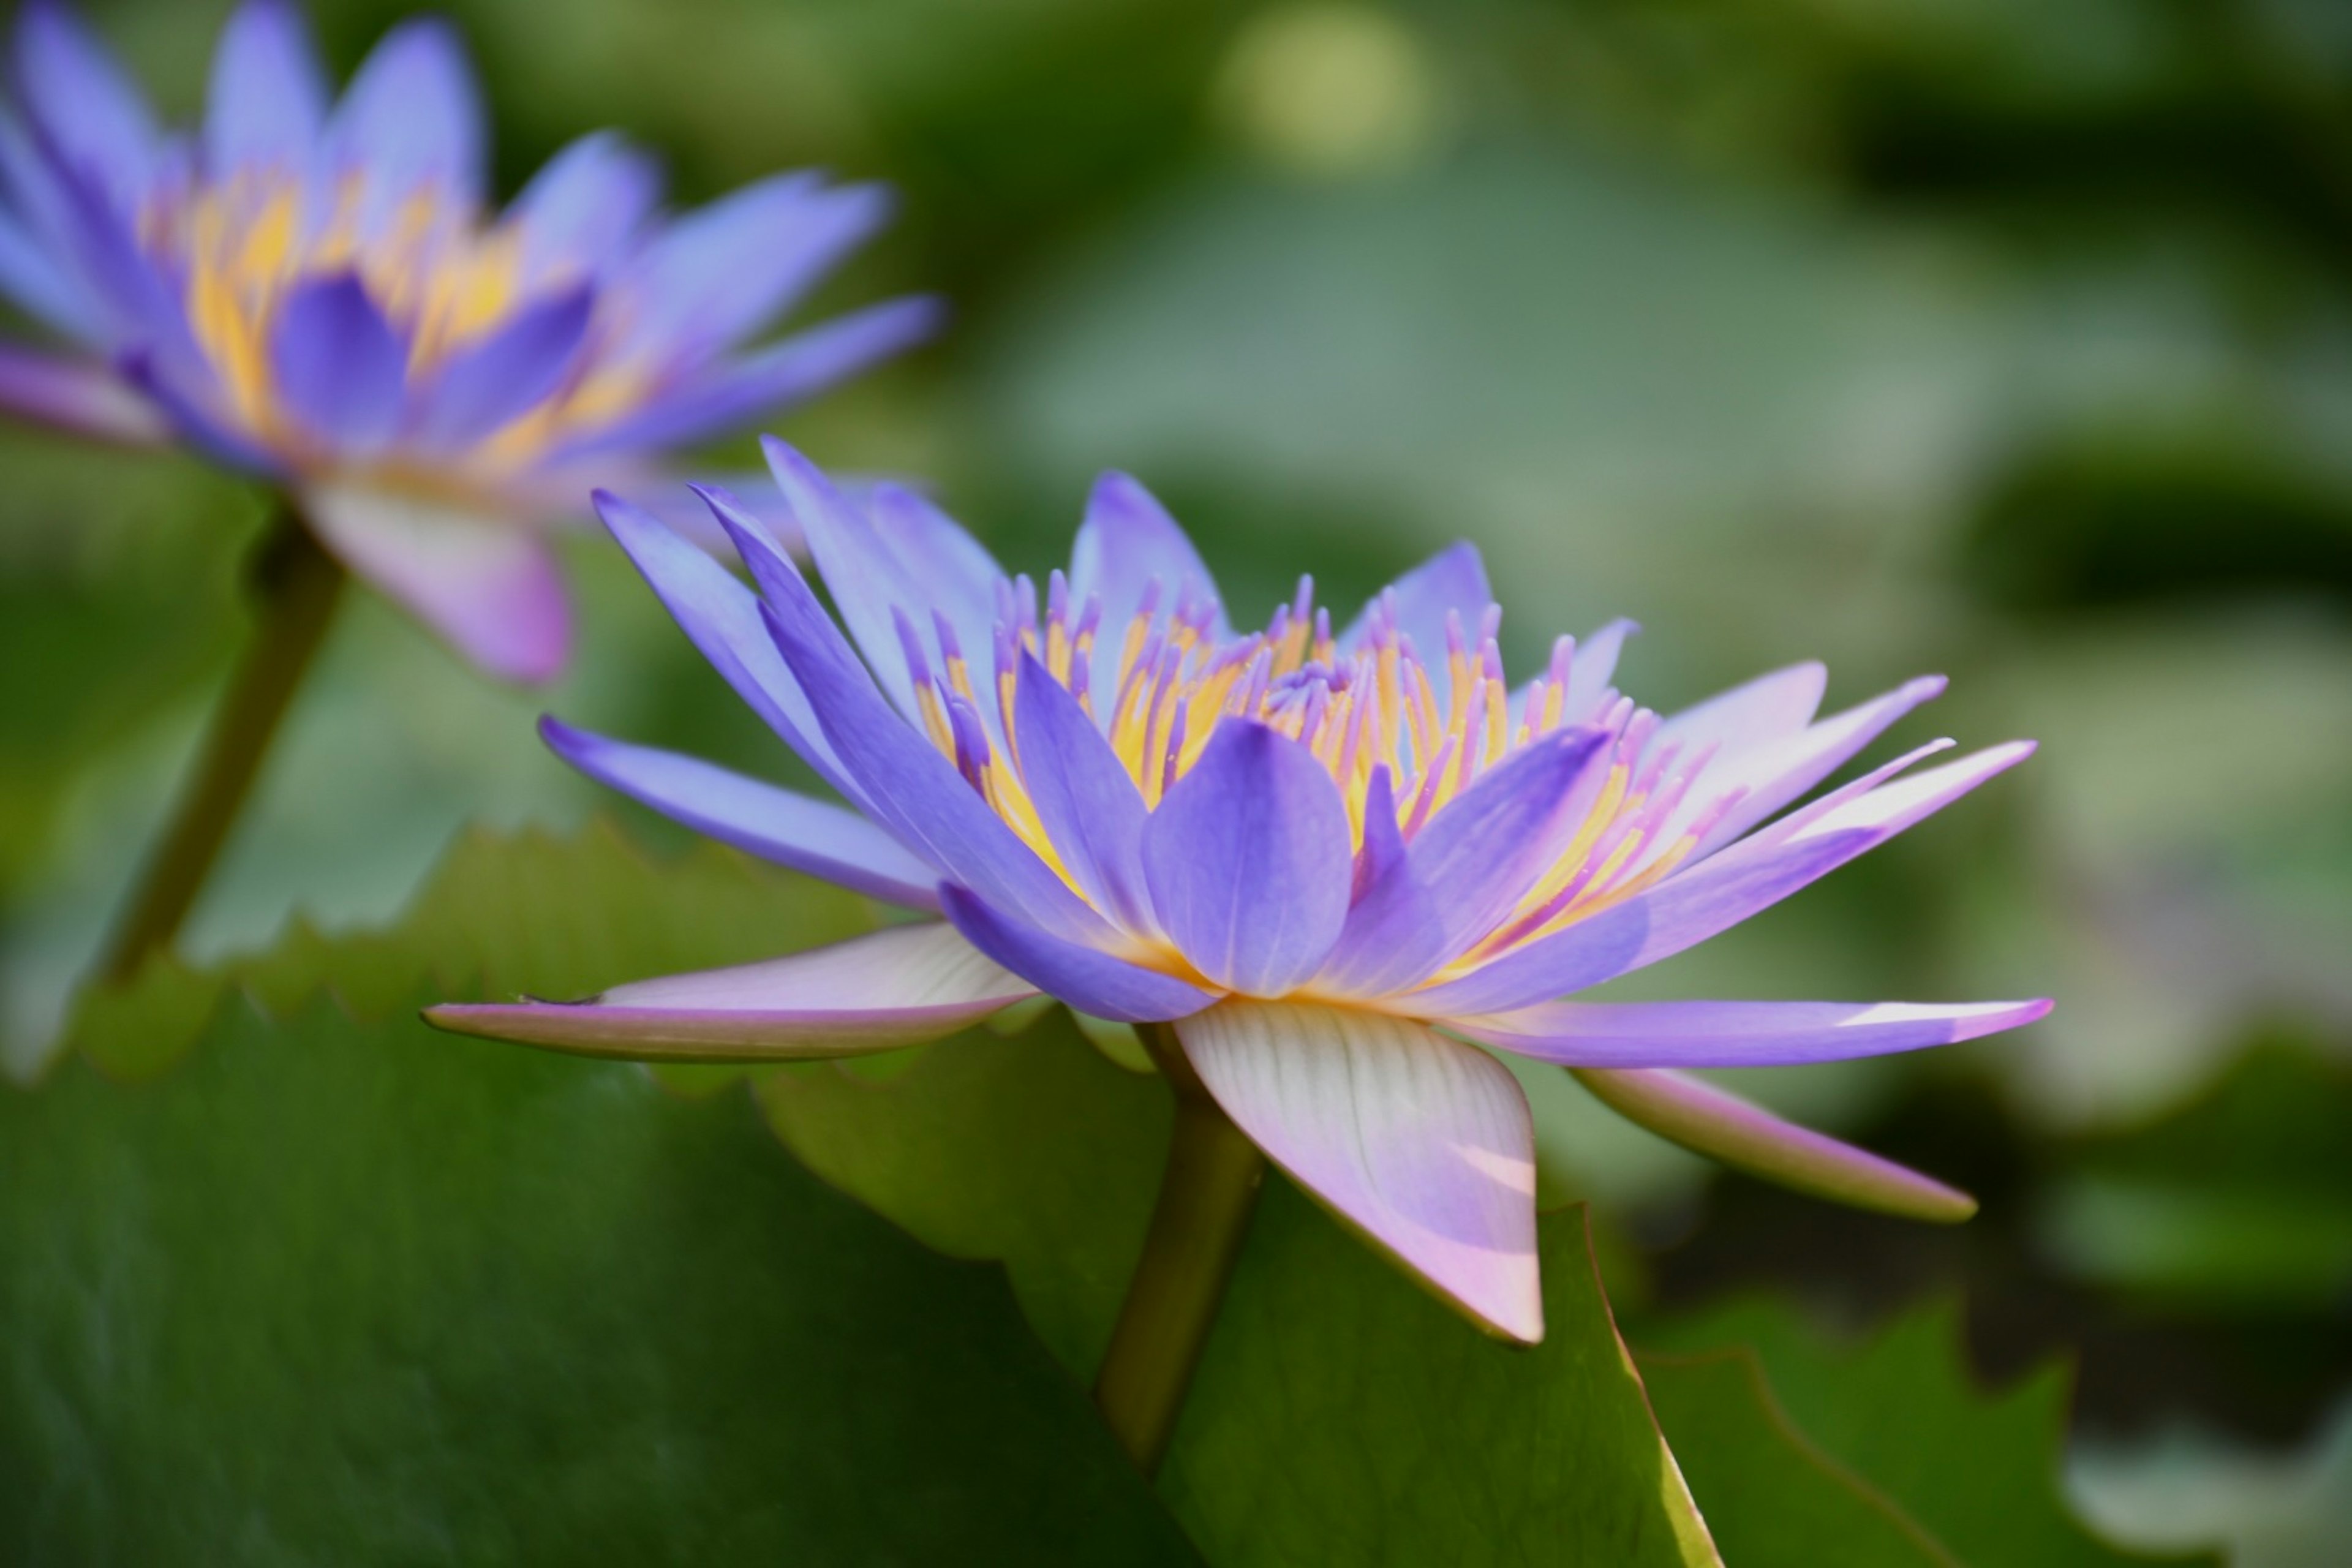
x=320, y=293
x=1331, y=861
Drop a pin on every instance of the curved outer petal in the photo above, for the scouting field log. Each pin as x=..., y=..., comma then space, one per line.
x=1766, y=709
x=1128, y=542
x=899, y=986
x=268, y=100
x=81, y=102
x=340, y=366
x=1423, y=1143
x=1467, y=868
x=193, y=422
x=79, y=395
x=719, y=274
x=1712, y=1121
x=32, y=279
x=1249, y=861
x=908, y=786
x=861, y=573
x=413, y=115
x=1684, y=910
x=953, y=573
x=722, y=618
x=727, y=395
x=584, y=203
x=1735, y=1034
x=1776, y=771
x=812, y=835
x=1090, y=979
x=1454, y=579
x=505, y=374
x=1592, y=668
x=488, y=585
x=1091, y=811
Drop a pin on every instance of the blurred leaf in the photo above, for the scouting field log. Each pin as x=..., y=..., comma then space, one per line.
x=1770, y=1496
x=2186, y=1488
x=1341, y=1414
x=2243, y=1199
x=343, y=1288
x=486, y=925
x=1978, y=1473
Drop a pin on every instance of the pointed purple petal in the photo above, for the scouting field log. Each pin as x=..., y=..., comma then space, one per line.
x=489, y=585
x=1127, y=542
x=1468, y=868
x=861, y=573
x=501, y=376
x=1249, y=861
x=340, y=366
x=413, y=115
x=722, y=272
x=81, y=102
x=1087, y=978
x=1454, y=579
x=911, y=788
x=268, y=100
x=1765, y=709
x=78, y=395
x=1688, y=908
x=722, y=618
x=1777, y=771
x=1722, y=1126
x=1423, y=1143
x=32, y=279
x=810, y=835
x=1735, y=1034
x=952, y=572
x=1590, y=670
x=1089, y=805
x=587, y=201
x=900, y=986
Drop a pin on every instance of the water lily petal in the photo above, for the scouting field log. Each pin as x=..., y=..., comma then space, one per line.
x=721, y=272
x=899, y=986
x=1722, y=1126
x=413, y=116
x=1776, y=771
x=1453, y=580
x=1085, y=800
x=1735, y=1033
x=80, y=101
x=861, y=573
x=1466, y=870
x=33, y=281
x=811, y=836
x=1765, y=709
x=587, y=201
x=1592, y=670
x=78, y=395
x=1249, y=860
x=341, y=367
x=1422, y=1143
x=267, y=97
x=1686, y=909
x=1128, y=543
x=1087, y=978
x=488, y=585
x=505, y=374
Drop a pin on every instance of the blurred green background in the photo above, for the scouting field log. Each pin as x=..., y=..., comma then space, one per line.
x=2004, y=340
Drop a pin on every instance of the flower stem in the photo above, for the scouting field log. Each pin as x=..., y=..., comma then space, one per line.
x=1206, y=1197
x=296, y=585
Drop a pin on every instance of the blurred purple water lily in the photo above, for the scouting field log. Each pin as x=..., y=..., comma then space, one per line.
x=318, y=292
x=1329, y=861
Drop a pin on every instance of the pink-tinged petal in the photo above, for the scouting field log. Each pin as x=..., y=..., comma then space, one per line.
x=1128, y=543
x=1467, y=868
x=1735, y=1033
x=340, y=366
x=1777, y=771
x=904, y=783
x=1686, y=909
x=1722, y=1126
x=267, y=99
x=1765, y=709
x=1249, y=861
x=899, y=986
x=1090, y=979
x=413, y=116
x=811, y=836
x=81, y=102
x=77, y=395
x=1590, y=670
x=1086, y=802
x=1421, y=1142
x=722, y=618
x=1452, y=581
x=488, y=585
